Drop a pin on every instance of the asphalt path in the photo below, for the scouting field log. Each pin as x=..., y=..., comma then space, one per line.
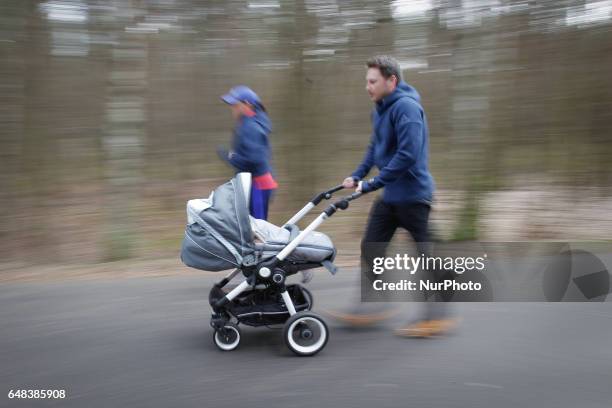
x=146, y=342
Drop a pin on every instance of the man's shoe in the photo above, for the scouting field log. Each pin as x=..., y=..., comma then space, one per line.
x=428, y=328
x=363, y=315
x=442, y=327
x=420, y=328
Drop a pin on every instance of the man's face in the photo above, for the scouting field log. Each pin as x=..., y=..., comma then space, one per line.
x=377, y=86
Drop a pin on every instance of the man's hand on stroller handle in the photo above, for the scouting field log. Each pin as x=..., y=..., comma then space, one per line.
x=349, y=182
x=359, y=186
x=352, y=182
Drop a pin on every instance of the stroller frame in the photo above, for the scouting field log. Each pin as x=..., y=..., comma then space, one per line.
x=264, y=298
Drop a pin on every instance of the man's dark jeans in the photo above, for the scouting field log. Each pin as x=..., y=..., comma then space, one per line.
x=384, y=220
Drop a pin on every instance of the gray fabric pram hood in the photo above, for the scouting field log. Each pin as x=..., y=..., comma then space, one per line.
x=218, y=235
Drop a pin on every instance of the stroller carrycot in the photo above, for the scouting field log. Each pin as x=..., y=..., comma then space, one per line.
x=221, y=234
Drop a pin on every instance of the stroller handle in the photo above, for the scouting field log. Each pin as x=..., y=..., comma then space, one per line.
x=325, y=195
x=341, y=204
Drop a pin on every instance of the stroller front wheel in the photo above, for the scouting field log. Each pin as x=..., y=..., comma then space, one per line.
x=305, y=333
x=227, y=338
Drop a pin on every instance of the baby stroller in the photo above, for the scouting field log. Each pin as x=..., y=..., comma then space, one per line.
x=221, y=235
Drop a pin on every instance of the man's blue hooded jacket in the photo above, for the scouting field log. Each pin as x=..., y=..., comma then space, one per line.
x=399, y=147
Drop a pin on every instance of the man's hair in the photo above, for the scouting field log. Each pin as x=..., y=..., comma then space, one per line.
x=387, y=65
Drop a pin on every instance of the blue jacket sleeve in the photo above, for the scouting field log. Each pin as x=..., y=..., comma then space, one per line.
x=368, y=159
x=409, y=137
x=366, y=165
x=249, y=150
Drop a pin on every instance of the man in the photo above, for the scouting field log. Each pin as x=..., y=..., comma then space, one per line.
x=399, y=148
x=251, y=148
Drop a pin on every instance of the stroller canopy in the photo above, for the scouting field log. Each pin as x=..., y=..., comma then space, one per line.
x=218, y=234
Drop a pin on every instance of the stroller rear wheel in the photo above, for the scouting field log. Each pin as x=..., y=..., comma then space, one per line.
x=305, y=333
x=227, y=338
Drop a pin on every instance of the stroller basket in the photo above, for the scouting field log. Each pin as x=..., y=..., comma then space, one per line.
x=264, y=307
